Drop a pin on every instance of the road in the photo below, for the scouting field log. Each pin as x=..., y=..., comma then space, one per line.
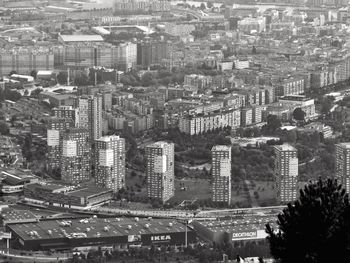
x=310, y=161
x=147, y=213
x=34, y=258
x=181, y=214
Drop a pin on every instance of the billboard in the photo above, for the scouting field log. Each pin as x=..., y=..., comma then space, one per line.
x=244, y=235
x=5, y=235
x=134, y=238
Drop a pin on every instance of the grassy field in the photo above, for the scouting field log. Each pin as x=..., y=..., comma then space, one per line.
x=266, y=191
x=200, y=189
x=195, y=189
x=239, y=194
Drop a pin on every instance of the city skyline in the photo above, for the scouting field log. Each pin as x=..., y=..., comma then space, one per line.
x=174, y=131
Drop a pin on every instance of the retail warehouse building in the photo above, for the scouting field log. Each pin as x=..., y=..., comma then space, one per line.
x=248, y=228
x=94, y=232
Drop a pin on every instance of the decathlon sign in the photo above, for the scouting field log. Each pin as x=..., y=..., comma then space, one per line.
x=160, y=238
x=243, y=235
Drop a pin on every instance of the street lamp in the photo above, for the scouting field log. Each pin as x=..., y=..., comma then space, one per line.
x=188, y=221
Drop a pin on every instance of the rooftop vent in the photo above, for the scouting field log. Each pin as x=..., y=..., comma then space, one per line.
x=129, y=226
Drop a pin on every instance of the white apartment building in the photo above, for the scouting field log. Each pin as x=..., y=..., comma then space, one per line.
x=286, y=172
x=160, y=170
x=110, y=162
x=221, y=173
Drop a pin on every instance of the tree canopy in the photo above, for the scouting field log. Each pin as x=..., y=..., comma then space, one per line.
x=273, y=123
x=299, y=114
x=62, y=77
x=4, y=129
x=314, y=228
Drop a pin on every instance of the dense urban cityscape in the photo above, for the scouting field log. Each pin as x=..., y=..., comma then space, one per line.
x=174, y=131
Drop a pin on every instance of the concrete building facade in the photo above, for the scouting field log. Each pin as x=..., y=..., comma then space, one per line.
x=110, y=162
x=286, y=172
x=160, y=170
x=75, y=156
x=342, y=165
x=221, y=173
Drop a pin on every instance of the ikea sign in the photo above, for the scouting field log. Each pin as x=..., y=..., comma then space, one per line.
x=161, y=238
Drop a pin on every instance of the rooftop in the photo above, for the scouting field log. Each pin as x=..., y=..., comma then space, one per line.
x=345, y=145
x=239, y=225
x=16, y=177
x=81, y=38
x=109, y=138
x=51, y=186
x=69, y=190
x=159, y=144
x=221, y=148
x=95, y=228
x=295, y=98
x=285, y=147
x=86, y=192
x=16, y=215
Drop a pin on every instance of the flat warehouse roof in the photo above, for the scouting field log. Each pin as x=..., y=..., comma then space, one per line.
x=81, y=38
x=13, y=215
x=86, y=192
x=239, y=225
x=94, y=227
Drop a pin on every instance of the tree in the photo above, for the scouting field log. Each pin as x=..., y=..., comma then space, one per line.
x=33, y=73
x=11, y=94
x=81, y=79
x=35, y=93
x=202, y=6
x=315, y=139
x=273, y=123
x=13, y=72
x=4, y=129
x=2, y=95
x=254, y=50
x=199, y=33
x=95, y=74
x=313, y=228
x=62, y=77
x=27, y=146
x=291, y=136
x=326, y=105
x=147, y=79
x=209, y=5
x=299, y=114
